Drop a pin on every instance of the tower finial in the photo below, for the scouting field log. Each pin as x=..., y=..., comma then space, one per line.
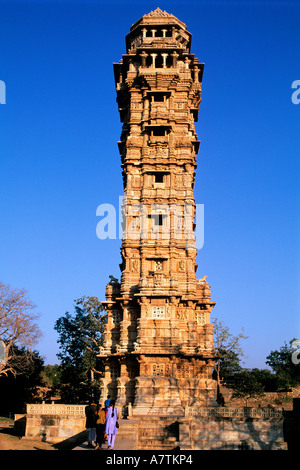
x=158, y=12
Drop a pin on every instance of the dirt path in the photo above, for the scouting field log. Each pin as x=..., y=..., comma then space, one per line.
x=9, y=441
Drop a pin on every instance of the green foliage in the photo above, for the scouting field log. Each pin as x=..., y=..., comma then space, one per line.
x=266, y=378
x=51, y=375
x=246, y=385
x=80, y=337
x=287, y=373
x=249, y=383
x=283, y=400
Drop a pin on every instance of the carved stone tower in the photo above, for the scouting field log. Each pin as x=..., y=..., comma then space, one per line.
x=158, y=347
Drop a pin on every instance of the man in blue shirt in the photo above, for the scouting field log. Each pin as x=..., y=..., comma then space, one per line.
x=107, y=402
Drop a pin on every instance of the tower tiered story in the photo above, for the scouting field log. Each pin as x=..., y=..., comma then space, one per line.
x=158, y=343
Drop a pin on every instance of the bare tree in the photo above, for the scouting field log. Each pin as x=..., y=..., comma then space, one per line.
x=226, y=344
x=18, y=329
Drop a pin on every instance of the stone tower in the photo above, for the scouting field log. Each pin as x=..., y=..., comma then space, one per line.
x=158, y=346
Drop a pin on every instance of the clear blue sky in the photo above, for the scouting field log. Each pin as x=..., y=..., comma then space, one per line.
x=59, y=157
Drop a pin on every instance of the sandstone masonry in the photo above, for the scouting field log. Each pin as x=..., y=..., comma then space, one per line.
x=158, y=348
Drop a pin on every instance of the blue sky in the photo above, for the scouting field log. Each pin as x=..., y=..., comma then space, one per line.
x=59, y=157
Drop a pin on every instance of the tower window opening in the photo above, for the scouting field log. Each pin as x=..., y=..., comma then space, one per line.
x=158, y=219
x=114, y=371
x=159, y=97
x=158, y=312
x=159, y=131
x=159, y=177
x=158, y=369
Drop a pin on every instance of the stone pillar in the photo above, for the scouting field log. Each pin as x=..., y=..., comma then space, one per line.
x=124, y=328
x=143, y=56
x=146, y=108
x=121, y=385
x=164, y=56
x=196, y=74
x=153, y=60
x=175, y=57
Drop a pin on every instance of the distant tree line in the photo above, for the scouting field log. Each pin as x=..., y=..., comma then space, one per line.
x=250, y=383
x=24, y=378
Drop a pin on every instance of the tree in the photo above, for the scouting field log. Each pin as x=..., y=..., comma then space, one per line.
x=246, y=385
x=18, y=329
x=287, y=371
x=266, y=378
x=80, y=337
x=51, y=375
x=229, y=364
x=24, y=387
x=228, y=350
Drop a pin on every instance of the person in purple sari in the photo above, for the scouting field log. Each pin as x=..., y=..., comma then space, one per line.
x=111, y=424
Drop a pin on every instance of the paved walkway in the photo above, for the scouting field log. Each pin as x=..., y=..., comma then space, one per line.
x=125, y=439
x=120, y=444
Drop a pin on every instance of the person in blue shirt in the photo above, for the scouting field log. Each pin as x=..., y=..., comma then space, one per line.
x=107, y=402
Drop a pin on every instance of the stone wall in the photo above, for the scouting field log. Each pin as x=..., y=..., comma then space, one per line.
x=54, y=423
x=202, y=428
x=225, y=428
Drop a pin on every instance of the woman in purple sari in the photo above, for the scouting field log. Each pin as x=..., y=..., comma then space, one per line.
x=110, y=424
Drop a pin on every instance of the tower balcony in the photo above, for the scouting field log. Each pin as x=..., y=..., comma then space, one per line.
x=158, y=139
x=157, y=283
x=160, y=112
x=179, y=70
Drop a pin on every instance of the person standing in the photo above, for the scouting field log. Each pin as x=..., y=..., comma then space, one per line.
x=100, y=427
x=90, y=423
x=111, y=424
x=107, y=402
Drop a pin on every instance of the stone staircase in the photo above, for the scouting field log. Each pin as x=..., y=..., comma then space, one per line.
x=144, y=433
x=157, y=433
x=127, y=435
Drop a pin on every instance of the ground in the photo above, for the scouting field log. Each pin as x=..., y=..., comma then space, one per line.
x=10, y=441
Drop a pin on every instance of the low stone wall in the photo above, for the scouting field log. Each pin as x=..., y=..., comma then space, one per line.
x=207, y=428
x=54, y=423
x=226, y=428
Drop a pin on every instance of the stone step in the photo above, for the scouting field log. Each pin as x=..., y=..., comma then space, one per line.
x=156, y=431
x=158, y=434
x=128, y=429
x=157, y=445
x=238, y=445
x=157, y=438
